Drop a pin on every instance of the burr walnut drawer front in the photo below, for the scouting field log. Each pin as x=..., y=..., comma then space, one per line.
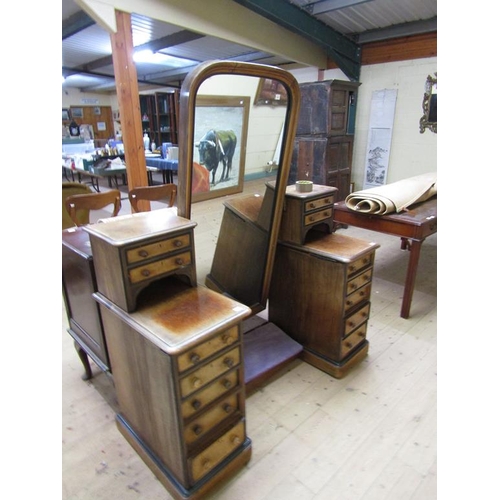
x=355, y=319
x=198, y=354
x=358, y=296
x=359, y=281
x=201, y=399
x=210, y=371
x=152, y=250
x=209, y=419
x=318, y=216
x=353, y=340
x=159, y=267
x=211, y=456
x=319, y=203
x=355, y=266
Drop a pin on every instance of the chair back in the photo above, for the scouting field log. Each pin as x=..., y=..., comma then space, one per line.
x=77, y=203
x=166, y=192
x=69, y=189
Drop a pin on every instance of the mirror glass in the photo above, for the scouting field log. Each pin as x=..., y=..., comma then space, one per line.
x=429, y=105
x=229, y=133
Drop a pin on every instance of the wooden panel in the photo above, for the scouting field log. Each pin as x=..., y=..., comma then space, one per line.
x=397, y=49
x=91, y=116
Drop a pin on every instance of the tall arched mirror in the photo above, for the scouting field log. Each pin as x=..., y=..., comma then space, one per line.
x=237, y=120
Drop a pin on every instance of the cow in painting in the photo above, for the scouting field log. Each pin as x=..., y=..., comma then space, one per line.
x=217, y=146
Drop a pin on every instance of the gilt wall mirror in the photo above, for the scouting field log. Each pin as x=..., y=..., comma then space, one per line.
x=429, y=105
x=268, y=138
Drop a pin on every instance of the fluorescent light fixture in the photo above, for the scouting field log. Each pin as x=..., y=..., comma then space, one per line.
x=148, y=56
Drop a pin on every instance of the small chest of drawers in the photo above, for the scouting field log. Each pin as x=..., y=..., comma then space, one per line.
x=133, y=251
x=303, y=212
x=328, y=310
x=178, y=372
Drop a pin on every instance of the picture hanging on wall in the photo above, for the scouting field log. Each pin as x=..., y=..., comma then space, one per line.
x=65, y=114
x=77, y=112
x=220, y=136
x=270, y=93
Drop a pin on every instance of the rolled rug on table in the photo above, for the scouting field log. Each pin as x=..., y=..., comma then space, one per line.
x=393, y=197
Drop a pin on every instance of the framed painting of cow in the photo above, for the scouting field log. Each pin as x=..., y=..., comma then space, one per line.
x=220, y=136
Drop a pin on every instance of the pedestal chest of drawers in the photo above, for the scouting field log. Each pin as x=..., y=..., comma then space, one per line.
x=178, y=372
x=133, y=251
x=320, y=295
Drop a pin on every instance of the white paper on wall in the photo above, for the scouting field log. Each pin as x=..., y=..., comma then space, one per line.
x=383, y=107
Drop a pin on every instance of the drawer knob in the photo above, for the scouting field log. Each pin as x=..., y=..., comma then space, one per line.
x=364, y=314
x=195, y=358
x=366, y=277
x=228, y=408
x=227, y=339
x=229, y=362
x=361, y=293
x=235, y=440
x=351, y=323
x=348, y=345
x=352, y=268
x=196, y=382
x=196, y=404
x=326, y=214
x=143, y=253
x=361, y=334
x=177, y=243
x=197, y=429
x=349, y=303
x=179, y=261
x=313, y=205
x=365, y=261
x=206, y=464
x=145, y=272
x=226, y=383
x=352, y=285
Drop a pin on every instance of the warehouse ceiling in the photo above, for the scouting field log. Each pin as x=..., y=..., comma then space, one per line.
x=338, y=28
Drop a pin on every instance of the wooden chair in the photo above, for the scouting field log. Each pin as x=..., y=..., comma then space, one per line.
x=152, y=193
x=69, y=189
x=80, y=205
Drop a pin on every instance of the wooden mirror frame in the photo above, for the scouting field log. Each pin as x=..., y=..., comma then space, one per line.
x=187, y=106
x=426, y=122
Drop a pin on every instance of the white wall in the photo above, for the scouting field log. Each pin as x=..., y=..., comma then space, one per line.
x=412, y=153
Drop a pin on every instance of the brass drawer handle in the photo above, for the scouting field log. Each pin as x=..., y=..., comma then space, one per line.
x=177, y=243
x=206, y=464
x=197, y=429
x=312, y=204
x=194, y=358
x=179, y=261
x=350, y=323
x=228, y=408
x=143, y=253
x=235, y=440
x=349, y=303
x=229, y=362
x=348, y=345
x=196, y=404
x=196, y=382
x=146, y=272
x=361, y=334
x=226, y=383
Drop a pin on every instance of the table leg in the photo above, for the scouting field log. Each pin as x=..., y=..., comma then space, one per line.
x=414, y=247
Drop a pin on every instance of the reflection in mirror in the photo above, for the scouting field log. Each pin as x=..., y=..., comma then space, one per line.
x=225, y=138
x=429, y=105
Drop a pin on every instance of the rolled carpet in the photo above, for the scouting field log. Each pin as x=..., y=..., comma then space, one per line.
x=393, y=197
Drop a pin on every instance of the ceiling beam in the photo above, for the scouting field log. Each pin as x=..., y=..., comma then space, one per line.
x=76, y=23
x=345, y=52
x=165, y=42
x=398, y=30
x=322, y=7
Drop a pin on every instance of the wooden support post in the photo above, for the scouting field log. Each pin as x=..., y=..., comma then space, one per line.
x=127, y=90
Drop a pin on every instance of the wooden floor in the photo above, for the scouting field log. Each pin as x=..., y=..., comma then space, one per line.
x=369, y=436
